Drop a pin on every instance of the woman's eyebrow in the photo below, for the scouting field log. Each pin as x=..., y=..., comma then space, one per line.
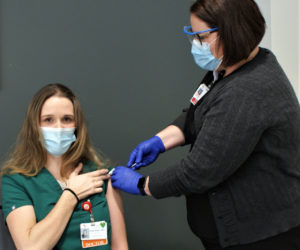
x=47, y=115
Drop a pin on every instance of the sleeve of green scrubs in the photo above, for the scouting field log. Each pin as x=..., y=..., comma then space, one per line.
x=14, y=194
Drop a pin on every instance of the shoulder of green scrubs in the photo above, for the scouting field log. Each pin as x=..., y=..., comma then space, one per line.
x=42, y=192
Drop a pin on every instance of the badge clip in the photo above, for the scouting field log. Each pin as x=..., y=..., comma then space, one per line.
x=200, y=92
x=87, y=206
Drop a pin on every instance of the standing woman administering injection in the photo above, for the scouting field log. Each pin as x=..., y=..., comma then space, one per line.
x=241, y=177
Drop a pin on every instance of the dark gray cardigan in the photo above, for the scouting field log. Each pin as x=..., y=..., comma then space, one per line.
x=246, y=154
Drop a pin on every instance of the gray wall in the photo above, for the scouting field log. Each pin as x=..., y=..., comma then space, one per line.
x=130, y=65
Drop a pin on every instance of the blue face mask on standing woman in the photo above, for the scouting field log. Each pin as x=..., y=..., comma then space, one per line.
x=203, y=56
x=57, y=141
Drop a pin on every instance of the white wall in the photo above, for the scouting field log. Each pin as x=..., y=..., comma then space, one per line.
x=265, y=7
x=298, y=90
x=283, y=35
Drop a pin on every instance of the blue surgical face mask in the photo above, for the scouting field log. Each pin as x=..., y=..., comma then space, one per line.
x=57, y=141
x=203, y=56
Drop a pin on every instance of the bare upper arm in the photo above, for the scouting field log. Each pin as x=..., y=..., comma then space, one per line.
x=113, y=197
x=20, y=221
x=114, y=200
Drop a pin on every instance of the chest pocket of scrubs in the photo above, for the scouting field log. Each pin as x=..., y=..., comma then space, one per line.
x=99, y=208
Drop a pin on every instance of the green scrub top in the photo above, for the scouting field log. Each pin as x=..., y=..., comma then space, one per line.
x=42, y=192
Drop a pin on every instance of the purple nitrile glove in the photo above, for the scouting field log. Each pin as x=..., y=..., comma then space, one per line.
x=126, y=179
x=146, y=152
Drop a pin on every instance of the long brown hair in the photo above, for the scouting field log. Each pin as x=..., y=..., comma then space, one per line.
x=29, y=155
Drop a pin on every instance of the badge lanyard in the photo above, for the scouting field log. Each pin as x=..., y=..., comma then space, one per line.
x=95, y=233
x=87, y=206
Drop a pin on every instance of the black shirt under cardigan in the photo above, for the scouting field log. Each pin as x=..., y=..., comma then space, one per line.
x=245, y=158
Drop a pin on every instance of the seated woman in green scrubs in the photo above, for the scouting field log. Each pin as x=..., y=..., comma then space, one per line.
x=55, y=192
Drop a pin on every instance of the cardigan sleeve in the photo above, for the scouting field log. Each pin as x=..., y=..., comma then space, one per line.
x=180, y=120
x=232, y=126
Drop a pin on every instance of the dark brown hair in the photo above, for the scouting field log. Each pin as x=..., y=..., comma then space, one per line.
x=240, y=23
x=29, y=155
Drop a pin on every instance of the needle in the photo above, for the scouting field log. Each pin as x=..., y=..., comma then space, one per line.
x=111, y=171
x=132, y=166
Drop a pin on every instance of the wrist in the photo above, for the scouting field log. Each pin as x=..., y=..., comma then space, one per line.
x=172, y=136
x=69, y=199
x=146, y=189
x=160, y=144
x=72, y=193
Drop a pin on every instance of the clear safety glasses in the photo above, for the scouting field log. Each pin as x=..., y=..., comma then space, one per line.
x=196, y=35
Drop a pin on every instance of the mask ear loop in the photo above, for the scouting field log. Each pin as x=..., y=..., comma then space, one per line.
x=204, y=44
x=212, y=41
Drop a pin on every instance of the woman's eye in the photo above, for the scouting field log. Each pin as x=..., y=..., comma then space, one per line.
x=68, y=119
x=48, y=120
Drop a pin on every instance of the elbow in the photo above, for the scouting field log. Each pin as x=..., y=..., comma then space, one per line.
x=119, y=247
x=26, y=247
x=120, y=244
x=30, y=246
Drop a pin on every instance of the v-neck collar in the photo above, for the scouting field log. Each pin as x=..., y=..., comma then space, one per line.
x=50, y=178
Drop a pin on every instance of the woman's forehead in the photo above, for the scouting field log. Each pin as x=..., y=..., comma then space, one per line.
x=56, y=105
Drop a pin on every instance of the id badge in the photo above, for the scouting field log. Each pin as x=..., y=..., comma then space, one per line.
x=200, y=92
x=93, y=234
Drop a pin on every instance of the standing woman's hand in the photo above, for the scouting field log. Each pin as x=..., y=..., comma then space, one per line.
x=146, y=152
x=126, y=179
x=87, y=184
